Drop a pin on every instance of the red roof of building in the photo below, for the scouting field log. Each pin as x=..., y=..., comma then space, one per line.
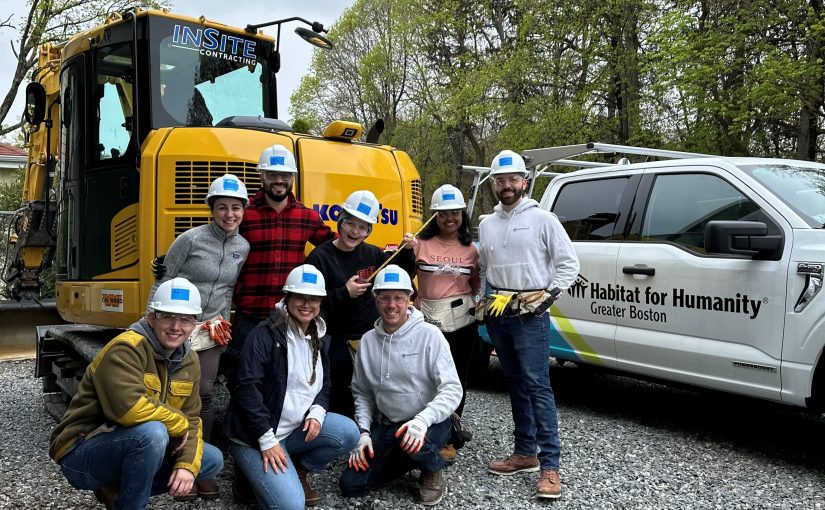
x=10, y=150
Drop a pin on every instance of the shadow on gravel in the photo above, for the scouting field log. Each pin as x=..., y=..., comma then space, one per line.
x=772, y=430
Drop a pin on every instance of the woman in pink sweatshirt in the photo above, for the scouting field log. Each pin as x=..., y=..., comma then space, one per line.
x=448, y=281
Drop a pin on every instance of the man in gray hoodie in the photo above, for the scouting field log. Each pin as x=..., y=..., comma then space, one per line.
x=528, y=260
x=405, y=387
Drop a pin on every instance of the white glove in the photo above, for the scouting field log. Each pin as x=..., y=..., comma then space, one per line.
x=413, y=432
x=358, y=456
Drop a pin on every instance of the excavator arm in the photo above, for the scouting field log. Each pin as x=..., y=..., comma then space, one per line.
x=32, y=235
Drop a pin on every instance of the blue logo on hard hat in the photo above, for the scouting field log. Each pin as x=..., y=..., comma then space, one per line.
x=506, y=161
x=364, y=208
x=309, y=278
x=180, y=294
x=392, y=277
x=230, y=185
x=448, y=196
x=276, y=160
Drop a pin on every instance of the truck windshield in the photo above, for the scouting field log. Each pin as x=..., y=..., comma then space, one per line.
x=800, y=187
x=202, y=75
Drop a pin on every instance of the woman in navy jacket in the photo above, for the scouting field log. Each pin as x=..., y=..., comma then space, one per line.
x=277, y=422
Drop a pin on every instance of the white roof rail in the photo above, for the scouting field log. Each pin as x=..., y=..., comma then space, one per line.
x=539, y=156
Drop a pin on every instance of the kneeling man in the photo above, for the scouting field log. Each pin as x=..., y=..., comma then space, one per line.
x=133, y=428
x=405, y=387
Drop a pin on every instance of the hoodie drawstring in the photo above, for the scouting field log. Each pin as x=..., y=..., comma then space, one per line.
x=389, y=356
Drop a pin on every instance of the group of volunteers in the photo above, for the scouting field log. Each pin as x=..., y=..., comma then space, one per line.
x=331, y=355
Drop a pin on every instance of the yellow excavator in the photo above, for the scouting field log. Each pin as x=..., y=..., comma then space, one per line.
x=129, y=123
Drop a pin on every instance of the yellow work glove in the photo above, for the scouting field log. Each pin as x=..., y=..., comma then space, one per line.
x=497, y=303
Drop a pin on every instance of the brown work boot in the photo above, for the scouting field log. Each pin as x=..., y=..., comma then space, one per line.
x=448, y=453
x=107, y=494
x=513, y=464
x=549, y=484
x=192, y=495
x=431, y=488
x=208, y=489
x=311, y=496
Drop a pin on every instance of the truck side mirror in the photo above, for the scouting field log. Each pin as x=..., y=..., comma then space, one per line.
x=35, y=110
x=746, y=238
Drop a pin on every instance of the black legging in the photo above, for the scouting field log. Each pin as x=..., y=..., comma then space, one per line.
x=340, y=361
x=461, y=347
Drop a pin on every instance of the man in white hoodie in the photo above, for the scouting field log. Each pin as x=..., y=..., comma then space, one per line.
x=405, y=378
x=528, y=260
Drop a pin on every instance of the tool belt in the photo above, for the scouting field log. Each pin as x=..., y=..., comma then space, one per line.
x=449, y=314
x=522, y=301
x=200, y=340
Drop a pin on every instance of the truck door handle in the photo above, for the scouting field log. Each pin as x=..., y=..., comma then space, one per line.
x=647, y=271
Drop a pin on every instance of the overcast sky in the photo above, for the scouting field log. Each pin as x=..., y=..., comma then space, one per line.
x=296, y=54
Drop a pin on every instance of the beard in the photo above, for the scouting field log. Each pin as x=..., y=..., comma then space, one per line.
x=517, y=194
x=278, y=198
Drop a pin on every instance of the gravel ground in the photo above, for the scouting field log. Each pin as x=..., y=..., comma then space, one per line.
x=626, y=444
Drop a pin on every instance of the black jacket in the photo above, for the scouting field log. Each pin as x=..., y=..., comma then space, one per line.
x=257, y=395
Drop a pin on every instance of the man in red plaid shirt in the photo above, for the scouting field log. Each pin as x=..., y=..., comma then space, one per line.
x=277, y=227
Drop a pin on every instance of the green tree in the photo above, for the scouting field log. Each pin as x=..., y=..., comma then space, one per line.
x=51, y=21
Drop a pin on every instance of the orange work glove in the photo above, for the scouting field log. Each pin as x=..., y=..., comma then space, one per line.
x=220, y=330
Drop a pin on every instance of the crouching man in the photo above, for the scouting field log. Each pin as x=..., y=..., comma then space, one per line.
x=405, y=387
x=132, y=430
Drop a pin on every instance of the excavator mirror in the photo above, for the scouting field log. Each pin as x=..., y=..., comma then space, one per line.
x=35, y=110
x=313, y=38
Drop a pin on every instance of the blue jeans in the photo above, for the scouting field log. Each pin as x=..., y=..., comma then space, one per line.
x=390, y=461
x=524, y=352
x=132, y=458
x=272, y=489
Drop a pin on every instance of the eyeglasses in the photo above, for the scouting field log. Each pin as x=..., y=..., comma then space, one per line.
x=271, y=175
x=170, y=318
x=455, y=213
x=306, y=300
x=513, y=179
x=351, y=225
x=385, y=299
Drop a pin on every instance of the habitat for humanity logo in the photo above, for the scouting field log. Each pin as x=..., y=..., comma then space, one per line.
x=211, y=42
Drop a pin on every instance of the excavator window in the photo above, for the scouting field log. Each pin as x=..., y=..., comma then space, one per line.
x=113, y=97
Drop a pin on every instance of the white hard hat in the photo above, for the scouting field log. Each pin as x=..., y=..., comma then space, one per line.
x=277, y=158
x=177, y=295
x=306, y=279
x=392, y=277
x=227, y=186
x=363, y=205
x=446, y=198
x=508, y=162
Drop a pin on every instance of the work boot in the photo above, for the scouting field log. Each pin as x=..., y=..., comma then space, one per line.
x=448, y=453
x=107, y=494
x=513, y=464
x=431, y=488
x=208, y=489
x=241, y=488
x=549, y=484
x=311, y=496
x=192, y=495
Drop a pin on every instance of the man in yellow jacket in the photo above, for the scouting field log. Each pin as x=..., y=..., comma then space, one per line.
x=133, y=430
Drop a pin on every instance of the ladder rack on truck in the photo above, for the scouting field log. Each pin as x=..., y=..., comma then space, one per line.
x=539, y=162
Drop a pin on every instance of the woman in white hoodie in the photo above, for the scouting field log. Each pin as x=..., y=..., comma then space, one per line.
x=279, y=400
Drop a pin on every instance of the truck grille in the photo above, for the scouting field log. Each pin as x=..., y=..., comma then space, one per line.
x=417, y=197
x=192, y=178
